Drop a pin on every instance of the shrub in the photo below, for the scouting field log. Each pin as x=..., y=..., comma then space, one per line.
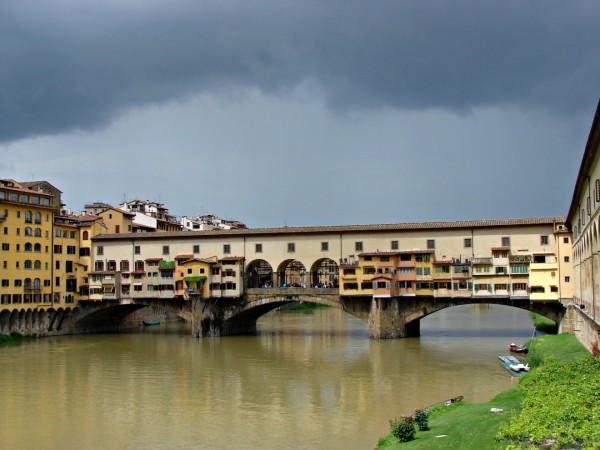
x=403, y=429
x=422, y=419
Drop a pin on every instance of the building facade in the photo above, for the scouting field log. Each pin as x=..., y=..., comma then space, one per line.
x=584, y=219
x=519, y=258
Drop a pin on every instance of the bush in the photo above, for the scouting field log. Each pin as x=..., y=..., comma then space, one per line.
x=403, y=429
x=422, y=419
x=560, y=407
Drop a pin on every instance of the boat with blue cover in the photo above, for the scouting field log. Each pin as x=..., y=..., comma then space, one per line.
x=513, y=365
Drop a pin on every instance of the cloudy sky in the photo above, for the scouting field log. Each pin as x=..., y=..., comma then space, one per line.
x=305, y=112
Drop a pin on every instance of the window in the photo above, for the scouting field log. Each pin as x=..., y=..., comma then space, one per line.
x=37, y=232
x=597, y=190
x=567, y=259
x=136, y=250
x=226, y=249
x=37, y=218
x=291, y=247
x=84, y=251
x=69, y=266
x=358, y=246
x=71, y=250
x=5, y=283
x=100, y=250
x=124, y=266
x=394, y=245
x=430, y=244
x=566, y=240
x=519, y=286
x=468, y=243
x=567, y=279
x=58, y=249
x=165, y=249
x=258, y=248
x=28, y=231
x=28, y=216
x=196, y=249
x=86, y=235
x=57, y=265
x=99, y=266
x=544, y=240
x=505, y=242
x=324, y=246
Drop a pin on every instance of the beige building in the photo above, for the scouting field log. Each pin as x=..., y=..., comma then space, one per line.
x=520, y=258
x=584, y=220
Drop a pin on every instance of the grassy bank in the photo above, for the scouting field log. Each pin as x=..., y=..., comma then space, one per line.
x=473, y=426
x=544, y=324
x=304, y=306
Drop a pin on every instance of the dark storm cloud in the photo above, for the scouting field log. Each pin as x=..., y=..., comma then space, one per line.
x=77, y=64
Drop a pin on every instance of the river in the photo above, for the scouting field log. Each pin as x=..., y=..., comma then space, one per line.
x=307, y=380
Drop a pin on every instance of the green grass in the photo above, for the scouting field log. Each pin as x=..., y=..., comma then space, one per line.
x=473, y=426
x=466, y=426
x=544, y=324
x=303, y=306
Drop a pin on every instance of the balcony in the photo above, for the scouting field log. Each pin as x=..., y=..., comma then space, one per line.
x=519, y=259
x=348, y=262
x=480, y=261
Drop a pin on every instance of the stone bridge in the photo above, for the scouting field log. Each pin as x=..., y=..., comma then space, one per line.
x=387, y=318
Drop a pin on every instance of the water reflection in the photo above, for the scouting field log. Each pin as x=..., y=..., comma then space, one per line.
x=305, y=381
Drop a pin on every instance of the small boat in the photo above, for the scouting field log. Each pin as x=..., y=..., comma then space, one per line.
x=517, y=348
x=513, y=365
x=148, y=323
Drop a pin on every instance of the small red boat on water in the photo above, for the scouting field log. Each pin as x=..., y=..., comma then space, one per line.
x=517, y=348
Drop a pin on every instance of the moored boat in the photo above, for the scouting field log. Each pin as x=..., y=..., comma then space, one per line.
x=513, y=365
x=517, y=348
x=148, y=323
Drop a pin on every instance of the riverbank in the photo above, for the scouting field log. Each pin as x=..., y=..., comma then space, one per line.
x=474, y=426
x=12, y=339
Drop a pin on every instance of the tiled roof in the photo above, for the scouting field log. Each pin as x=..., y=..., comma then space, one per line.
x=423, y=226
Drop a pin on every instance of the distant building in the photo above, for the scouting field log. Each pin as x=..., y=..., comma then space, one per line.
x=46, y=188
x=210, y=222
x=94, y=209
x=150, y=216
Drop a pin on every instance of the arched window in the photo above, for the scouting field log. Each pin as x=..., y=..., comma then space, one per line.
x=37, y=265
x=37, y=217
x=36, y=284
x=27, y=284
x=37, y=248
x=37, y=232
x=27, y=264
x=28, y=247
x=86, y=235
x=28, y=231
x=27, y=216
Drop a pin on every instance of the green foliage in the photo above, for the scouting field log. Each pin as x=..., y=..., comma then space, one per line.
x=403, y=429
x=422, y=419
x=560, y=407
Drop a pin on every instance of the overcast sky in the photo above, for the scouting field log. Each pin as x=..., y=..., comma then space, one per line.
x=305, y=112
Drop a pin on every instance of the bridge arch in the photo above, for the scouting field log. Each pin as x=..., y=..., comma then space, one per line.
x=324, y=272
x=414, y=310
x=259, y=274
x=291, y=273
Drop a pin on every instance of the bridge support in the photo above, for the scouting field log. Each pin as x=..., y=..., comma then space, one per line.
x=387, y=320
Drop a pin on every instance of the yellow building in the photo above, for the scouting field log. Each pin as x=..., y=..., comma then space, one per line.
x=26, y=219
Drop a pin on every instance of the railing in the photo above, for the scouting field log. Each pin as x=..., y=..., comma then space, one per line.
x=481, y=261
